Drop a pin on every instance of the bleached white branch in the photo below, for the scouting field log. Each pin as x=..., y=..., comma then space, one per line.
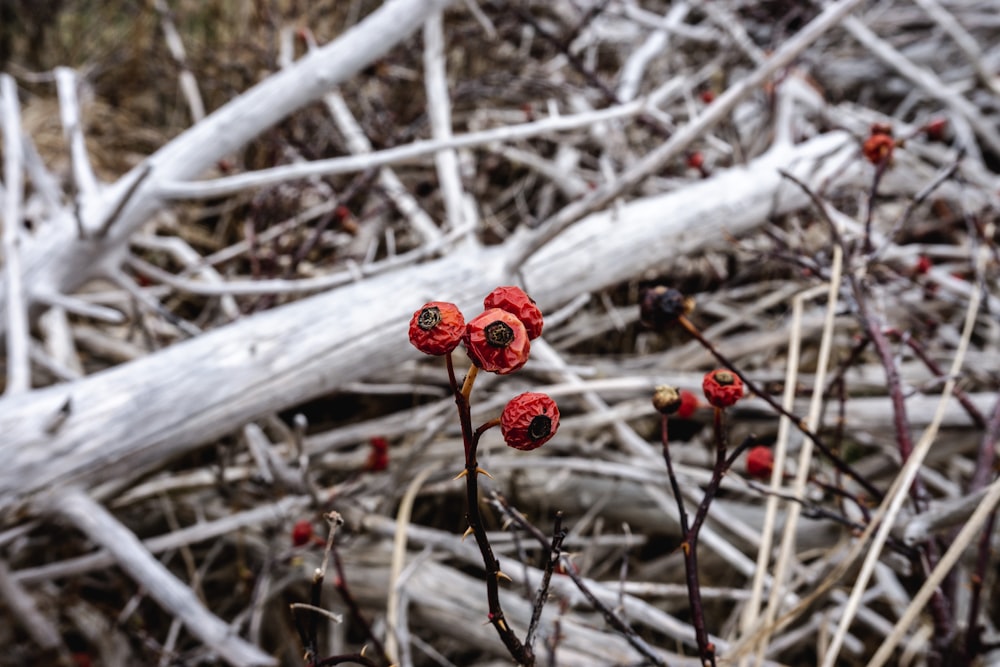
x=16, y=320
x=172, y=594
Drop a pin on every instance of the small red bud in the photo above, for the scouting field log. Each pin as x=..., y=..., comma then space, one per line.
x=760, y=462
x=934, y=130
x=302, y=533
x=689, y=404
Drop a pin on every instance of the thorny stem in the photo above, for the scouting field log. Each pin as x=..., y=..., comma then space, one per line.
x=522, y=653
x=799, y=423
x=610, y=615
x=880, y=170
x=555, y=548
x=689, y=545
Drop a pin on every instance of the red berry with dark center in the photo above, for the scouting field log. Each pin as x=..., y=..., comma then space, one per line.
x=529, y=420
x=437, y=328
x=497, y=341
x=516, y=302
x=722, y=388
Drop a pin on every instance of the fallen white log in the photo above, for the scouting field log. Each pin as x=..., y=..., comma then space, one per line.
x=116, y=425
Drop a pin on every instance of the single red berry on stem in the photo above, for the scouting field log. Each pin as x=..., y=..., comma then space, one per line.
x=760, y=462
x=878, y=148
x=722, y=387
x=497, y=342
x=302, y=533
x=520, y=305
x=529, y=420
x=437, y=328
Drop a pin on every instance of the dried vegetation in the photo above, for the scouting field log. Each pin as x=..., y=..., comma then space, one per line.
x=911, y=246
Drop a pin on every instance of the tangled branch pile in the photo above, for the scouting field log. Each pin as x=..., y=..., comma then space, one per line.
x=218, y=219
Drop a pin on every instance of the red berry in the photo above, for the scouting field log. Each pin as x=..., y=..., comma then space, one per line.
x=437, y=328
x=696, y=160
x=689, y=403
x=378, y=457
x=529, y=420
x=760, y=462
x=923, y=265
x=520, y=305
x=707, y=96
x=497, y=341
x=302, y=533
x=934, y=130
x=722, y=388
x=878, y=148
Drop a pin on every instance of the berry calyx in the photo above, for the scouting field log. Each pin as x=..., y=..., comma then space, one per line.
x=722, y=388
x=437, y=328
x=529, y=420
x=497, y=342
x=513, y=299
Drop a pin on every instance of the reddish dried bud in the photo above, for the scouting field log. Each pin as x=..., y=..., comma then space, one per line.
x=520, y=305
x=437, y=328
x=934, y=130
x=666, y=399
x=302, y=533
x=529, y=420
x=660, y=306
x=878, y=148
x=696, y=160
x=689, y=403
x=760, y=462
x=378, y=456
x=707, y=96
x=722, y=388
x=497, y=342
x=923, y=265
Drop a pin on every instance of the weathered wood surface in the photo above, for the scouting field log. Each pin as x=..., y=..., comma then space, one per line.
x=115, y=425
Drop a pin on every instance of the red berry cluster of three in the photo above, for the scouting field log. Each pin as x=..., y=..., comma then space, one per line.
x=497, y=341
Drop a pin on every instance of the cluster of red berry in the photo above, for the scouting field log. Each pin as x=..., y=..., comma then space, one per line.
x=497, y=341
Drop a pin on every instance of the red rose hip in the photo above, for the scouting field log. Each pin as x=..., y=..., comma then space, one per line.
x=517, y=303
x=529, y=420
x=497, y=342
x=722, y=388
x=437, y=328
